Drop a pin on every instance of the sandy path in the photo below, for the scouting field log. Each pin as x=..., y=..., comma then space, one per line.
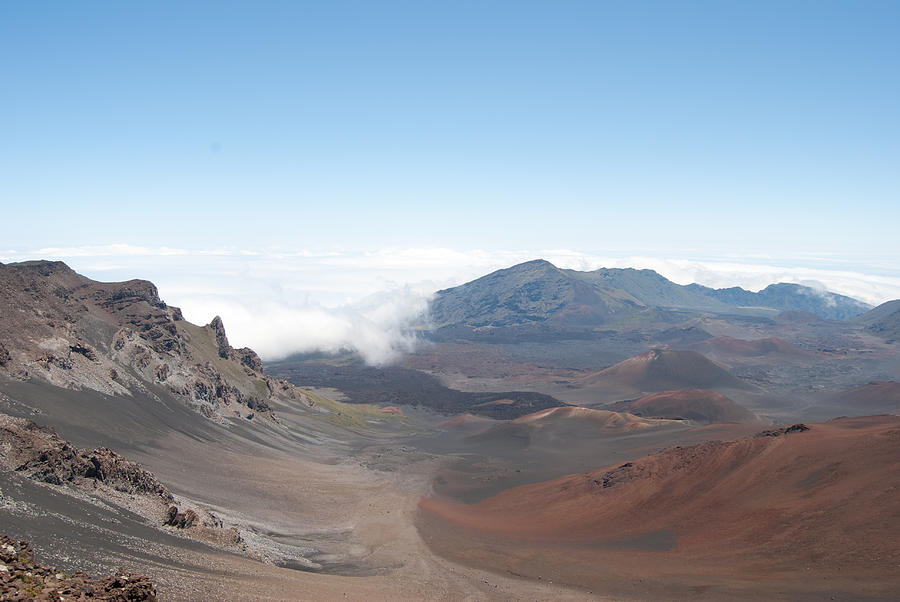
x=386, y=529
x=363, y=522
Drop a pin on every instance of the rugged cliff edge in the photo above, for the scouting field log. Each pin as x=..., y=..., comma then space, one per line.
x=38, y=453
x=121, y=338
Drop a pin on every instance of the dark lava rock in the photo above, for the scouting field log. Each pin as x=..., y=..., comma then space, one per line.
x=23, y=579
x=180, y=520
x=84, y=350
x=616, y=475
x=221, y=340
x=249, y=358
x=40, y=454
x=162, y=372
x=785, y=430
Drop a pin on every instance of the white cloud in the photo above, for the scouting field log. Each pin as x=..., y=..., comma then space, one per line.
x=280, y=301
x=376, y=326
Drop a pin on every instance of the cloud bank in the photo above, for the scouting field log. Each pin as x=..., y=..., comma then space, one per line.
x=286, y=301
x=378, y=326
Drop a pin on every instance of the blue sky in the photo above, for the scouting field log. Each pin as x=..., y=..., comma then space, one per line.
x=763, y=127
x=703, y=131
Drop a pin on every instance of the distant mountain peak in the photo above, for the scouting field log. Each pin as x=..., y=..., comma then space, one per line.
x=537, y=292
x=534, y=262
x=530, y=293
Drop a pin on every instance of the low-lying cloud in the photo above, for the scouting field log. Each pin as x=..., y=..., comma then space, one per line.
x=281, y=302
x=378, y=327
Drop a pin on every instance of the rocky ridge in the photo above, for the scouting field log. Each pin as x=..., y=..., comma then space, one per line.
x=38, y=453
x=544, y=300
x=120, y=338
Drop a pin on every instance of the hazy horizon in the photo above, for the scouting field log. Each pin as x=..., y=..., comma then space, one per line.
x=280, y=302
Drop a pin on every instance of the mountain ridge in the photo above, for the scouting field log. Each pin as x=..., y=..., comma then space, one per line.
x=120, y=338
x=882, y=321
x=537, y=294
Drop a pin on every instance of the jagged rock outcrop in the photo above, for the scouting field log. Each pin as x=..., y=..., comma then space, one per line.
x=40, y=454
x=244, y=355
x=785, y=430
x=221, y=340
x=120, y=339
x=248, y=358
x=180, y=520
x=21, y=578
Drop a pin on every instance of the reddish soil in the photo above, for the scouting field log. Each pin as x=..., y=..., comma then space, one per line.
x=598, y=418
x=693, y=404
x=771, y=346
x=663, y=369
x=468, y=424
x=884, y=395
x=811, y=512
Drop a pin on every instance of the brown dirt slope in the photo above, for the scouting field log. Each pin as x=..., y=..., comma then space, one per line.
x=564, y=426
x=662, y=370
x=602, y=419
x=881, y=396
x=706, y=407
x=793, y=504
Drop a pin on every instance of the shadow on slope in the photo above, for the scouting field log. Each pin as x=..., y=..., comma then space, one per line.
x=402, y=386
